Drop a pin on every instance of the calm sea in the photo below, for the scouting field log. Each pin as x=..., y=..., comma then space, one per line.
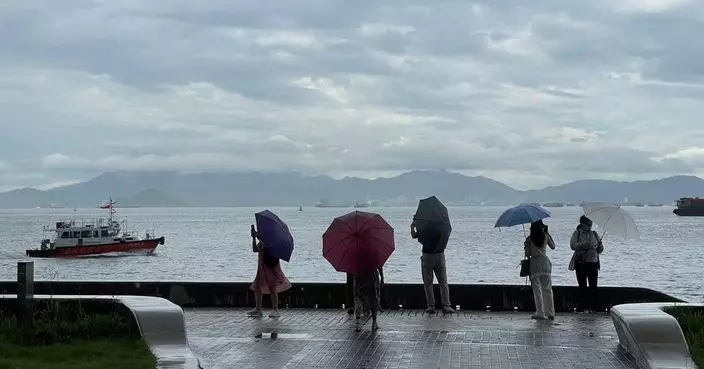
x=213, y=244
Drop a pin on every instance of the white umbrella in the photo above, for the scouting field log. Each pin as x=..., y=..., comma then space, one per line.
x=612, y=218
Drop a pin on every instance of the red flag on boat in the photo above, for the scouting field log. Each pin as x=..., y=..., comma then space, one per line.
x=108, y=205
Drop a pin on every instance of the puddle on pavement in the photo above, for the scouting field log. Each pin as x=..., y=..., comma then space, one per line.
x=276, y=335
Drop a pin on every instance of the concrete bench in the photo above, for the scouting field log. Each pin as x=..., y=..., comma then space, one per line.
x=161, y=324
x=652, y=336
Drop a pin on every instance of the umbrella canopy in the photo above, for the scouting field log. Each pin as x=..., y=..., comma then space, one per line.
x=275, y=234
x=521, y=214
x=431, y=211
x=358, y=242
x=612, y=219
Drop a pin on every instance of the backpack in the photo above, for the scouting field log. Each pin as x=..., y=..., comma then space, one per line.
x=579, y=257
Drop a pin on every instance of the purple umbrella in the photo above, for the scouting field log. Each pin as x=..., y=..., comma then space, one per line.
x=275, y=234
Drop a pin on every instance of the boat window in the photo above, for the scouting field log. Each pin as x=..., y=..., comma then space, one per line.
x=96, y=234
x=65, y=235
x=76, y=234
x=104, y=233
x=85, y=234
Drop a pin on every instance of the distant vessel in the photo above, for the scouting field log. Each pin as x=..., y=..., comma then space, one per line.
x=570, y=204
x=361, y=204
x=689, y=207
x=102, y=236
x=553, y=205
x=325, y=203
x=636, y=204
x=300, y=208
x=50, y=206
x=654, y=205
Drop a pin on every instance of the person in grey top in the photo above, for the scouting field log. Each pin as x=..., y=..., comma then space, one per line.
x=585, y=262
x=433, y=237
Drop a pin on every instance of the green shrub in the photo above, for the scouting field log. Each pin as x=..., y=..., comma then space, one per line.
x=62, y=322
x=100, y=354
x=692, y=322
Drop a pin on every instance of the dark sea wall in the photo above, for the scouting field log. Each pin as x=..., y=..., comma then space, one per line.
x=333, y=295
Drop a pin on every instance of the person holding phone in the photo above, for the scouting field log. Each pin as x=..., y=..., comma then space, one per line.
x=535, y=247
x=432, y=236
x=270, y=279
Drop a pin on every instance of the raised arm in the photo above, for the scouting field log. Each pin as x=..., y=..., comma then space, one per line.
x=257, y=245
x=551, y=243
x=599, y=246
x=526, y=246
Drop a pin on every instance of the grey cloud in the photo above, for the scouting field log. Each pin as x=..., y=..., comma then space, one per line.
x=618, y=160
x=477, y=86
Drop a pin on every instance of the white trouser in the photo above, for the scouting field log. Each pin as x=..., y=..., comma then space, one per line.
x=542, y=294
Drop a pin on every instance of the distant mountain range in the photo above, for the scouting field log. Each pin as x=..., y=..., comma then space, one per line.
x=150, y=198
x=293, y=189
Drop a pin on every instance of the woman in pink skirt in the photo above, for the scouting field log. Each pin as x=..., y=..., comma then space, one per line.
x=270, y=278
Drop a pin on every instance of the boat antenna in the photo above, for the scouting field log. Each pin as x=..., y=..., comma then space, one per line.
x=112, y=208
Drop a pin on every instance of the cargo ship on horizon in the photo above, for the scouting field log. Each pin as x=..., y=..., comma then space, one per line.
x=689, y=207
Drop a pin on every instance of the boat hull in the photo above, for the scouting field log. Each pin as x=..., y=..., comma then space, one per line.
x=146, y=246
x=689, y=212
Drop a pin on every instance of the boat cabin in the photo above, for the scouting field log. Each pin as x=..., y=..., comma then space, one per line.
x=102, y=231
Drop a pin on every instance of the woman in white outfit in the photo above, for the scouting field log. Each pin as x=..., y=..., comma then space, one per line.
x=540, y=270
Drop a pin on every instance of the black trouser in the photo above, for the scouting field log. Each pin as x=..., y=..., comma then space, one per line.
x=588, y=296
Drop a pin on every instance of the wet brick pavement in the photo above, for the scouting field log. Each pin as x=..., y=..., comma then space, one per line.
x=308, y=339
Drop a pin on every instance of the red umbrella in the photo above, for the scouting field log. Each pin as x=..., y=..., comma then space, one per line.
x=358, y=242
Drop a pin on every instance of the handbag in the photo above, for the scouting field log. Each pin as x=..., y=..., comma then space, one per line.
x=525, y=267
x=573, y=261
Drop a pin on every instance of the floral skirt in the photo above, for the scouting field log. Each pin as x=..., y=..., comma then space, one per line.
x=366, y=293
x=269, y=278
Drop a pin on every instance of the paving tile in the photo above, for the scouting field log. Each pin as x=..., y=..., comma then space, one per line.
x=227, y=338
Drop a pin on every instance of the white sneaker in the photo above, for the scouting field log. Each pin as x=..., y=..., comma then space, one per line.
x=274, y=314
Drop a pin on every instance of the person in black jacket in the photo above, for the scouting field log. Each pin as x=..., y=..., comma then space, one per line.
x=433, y=237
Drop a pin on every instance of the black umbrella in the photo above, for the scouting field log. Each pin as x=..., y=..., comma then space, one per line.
x=432, y=212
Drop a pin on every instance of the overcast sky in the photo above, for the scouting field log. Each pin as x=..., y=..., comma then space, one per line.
x=531, y=93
